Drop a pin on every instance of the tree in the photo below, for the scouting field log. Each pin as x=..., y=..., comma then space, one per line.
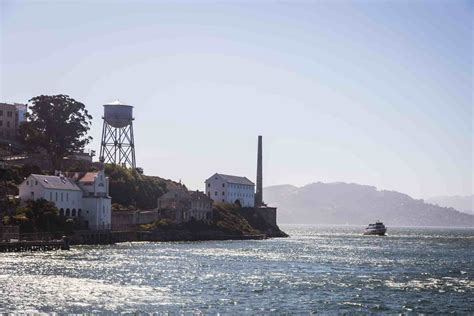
x=57, y=124
x=40, y=215
x=128, y=187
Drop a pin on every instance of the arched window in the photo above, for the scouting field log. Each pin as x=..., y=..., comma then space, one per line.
x=73, y=212
x=61, y=212
x=68, y=212
x=79, y=213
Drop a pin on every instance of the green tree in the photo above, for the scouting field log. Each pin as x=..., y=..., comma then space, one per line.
x=40, y=215
x=57, y=124
x=130, y=188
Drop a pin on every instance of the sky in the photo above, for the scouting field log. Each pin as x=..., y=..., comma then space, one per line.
x=369, y=92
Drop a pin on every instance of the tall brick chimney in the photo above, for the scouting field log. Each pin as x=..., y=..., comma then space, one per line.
x=259, y=193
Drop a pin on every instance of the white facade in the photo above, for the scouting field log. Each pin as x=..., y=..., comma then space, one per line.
x=85, y=196
x=230, y=189
x=96, y=200
x=21, y=110
x=63, y=192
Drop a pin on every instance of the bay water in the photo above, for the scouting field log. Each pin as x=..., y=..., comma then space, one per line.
x=319, y=269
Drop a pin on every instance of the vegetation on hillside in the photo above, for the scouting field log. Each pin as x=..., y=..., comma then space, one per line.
x=40, y=216
x=129, y=189
x=226, y=219
x=12, y=176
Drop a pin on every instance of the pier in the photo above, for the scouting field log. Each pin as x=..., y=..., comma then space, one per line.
x=20, y=246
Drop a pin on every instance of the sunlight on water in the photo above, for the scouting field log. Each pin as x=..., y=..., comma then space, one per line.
x=325, y=269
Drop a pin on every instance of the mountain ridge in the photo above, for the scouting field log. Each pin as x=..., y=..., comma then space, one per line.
x=462, y=203
x=352, y=203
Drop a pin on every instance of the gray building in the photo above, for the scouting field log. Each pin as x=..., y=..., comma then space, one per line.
x=11, y=115
x=181, y=205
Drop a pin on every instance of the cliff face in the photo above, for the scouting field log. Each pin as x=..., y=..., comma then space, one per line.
x=342, y=203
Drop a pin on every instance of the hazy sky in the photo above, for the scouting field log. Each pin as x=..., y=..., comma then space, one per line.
x=372, y=92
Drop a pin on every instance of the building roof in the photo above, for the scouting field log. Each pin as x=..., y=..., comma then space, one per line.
x=55, y=182
x=199, y=195
x=234, y=179
x=184, y=194
x=88, y=177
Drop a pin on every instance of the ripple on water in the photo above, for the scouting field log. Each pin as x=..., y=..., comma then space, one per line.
x=323, y=269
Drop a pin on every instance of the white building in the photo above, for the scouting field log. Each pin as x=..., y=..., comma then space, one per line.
x=83, y=195
x=63, y=192
x=230, y=189
x=96, y=200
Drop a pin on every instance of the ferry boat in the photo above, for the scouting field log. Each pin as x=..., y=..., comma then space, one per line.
x=375, y=229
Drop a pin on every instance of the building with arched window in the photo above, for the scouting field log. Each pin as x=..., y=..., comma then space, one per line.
x=84, y=195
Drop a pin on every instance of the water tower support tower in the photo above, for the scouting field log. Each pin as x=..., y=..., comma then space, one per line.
x=118, y=145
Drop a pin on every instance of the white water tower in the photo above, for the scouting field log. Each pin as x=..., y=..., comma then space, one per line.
x=117, y=145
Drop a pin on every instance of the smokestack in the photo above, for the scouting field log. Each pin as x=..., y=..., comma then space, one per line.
x=259, y=193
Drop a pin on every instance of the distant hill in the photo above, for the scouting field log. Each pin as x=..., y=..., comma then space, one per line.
x=348, y=203
x=461, y=203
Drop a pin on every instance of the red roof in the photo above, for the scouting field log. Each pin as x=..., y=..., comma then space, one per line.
x=88, y=177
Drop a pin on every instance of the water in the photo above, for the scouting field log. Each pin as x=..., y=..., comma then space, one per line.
x=318, y=269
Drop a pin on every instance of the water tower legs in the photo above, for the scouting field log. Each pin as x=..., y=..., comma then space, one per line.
x=118, y=145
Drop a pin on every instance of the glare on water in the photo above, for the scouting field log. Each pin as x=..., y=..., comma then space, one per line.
x=316, y=269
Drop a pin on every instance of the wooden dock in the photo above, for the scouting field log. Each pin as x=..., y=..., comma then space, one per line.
x=20, y=246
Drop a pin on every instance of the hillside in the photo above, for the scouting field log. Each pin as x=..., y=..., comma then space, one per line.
x=229, y=222
x=461, y=203
x=130, y=189
x=344, y=203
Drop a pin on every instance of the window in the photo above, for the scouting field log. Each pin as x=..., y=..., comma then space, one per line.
x=67, y=197
x=1, y=123
x=27, y=182
x=8, y=123
x=223, y=193
x=50, y=196
x=9, y=114
x=223, y=185
x=56, y=196
x=215, y=193
x=61, y=196
x=36, y=182
x=208, y=185
x=223, y=200
x=1, y=112
x=32, y=195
